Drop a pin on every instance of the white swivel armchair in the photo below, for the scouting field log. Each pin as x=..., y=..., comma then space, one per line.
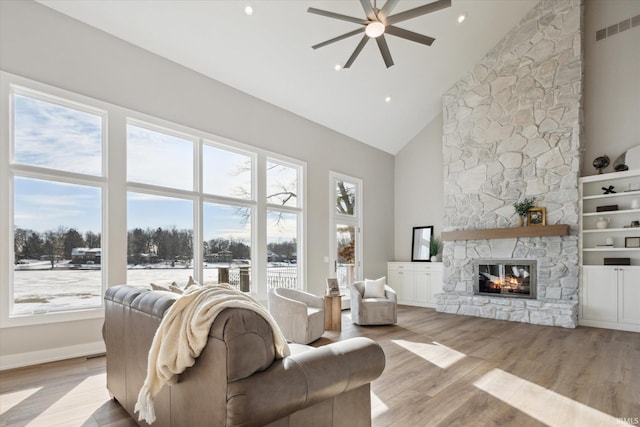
x=374, y=306
x=299, y=314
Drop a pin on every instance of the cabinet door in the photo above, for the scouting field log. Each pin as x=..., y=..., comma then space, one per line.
x=600, y=294
x=401, y=282
x=629, y=296
x=423, y=282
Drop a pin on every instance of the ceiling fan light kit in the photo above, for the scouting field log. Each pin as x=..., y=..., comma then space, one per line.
x=374, y=29
x=377, y=23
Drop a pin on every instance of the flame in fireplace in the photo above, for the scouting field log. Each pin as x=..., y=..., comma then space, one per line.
x=505, y=282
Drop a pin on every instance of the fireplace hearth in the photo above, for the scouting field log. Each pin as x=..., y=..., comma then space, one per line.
x=505, y=278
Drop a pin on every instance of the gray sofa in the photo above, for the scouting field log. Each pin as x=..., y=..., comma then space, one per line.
x=237, y=381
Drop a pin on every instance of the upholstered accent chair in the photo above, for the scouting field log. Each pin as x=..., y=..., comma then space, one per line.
x=373, y=303
x=299, y=314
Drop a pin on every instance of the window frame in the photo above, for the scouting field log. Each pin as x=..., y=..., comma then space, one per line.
x=114, y=188
x=11, y=85
x=356, y=220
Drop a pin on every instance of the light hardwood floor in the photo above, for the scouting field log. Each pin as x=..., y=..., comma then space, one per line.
x=442, y=369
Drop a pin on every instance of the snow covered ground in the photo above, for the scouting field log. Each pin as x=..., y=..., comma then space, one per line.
x=41, y=290
x=38, y=289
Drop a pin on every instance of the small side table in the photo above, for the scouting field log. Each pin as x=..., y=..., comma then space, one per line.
x=333, y=312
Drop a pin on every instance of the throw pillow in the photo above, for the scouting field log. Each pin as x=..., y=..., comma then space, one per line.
x=374, y=288
x=191, y=282
x=175, y=288
x=159, y=287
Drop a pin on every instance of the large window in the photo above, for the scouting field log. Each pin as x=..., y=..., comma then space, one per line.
x=56, y=171
x=86, y=204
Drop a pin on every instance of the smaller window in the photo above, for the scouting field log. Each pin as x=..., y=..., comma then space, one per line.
x=346, y=198
x=282, y=184
x=282, y=249
x=227, y=244
x=226, y=173
x=56, y=136
x=160, y=239
x=158, y=158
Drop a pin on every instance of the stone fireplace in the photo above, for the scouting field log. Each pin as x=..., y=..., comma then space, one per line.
x=507, y=278
x=512, y=130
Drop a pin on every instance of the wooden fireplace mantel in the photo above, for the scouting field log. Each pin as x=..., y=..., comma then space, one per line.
x=507, y=233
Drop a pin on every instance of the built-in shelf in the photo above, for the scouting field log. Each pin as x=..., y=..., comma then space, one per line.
x=611, y=249
x=507, y=233
x=612, y=195
x=612, y=230
x=618, y=212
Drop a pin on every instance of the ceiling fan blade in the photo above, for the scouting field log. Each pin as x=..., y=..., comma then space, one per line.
x=384, y=50
x=409, y=35
x=387, y=9
x=368, y=10
x=337, y=16
x=335, y=39
x=418, y=11
x=356, y=52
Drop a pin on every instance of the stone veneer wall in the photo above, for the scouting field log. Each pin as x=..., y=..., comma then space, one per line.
x=512, y=130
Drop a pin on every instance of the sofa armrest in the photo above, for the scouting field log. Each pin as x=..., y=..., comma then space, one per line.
x=304, y=379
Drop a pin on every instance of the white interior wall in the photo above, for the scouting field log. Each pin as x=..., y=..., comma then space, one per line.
x=612, y=83
x=419, y=187
x=43, y=45
x=612, y=121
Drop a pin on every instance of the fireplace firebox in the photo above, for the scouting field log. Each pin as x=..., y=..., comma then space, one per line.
x=505, y=278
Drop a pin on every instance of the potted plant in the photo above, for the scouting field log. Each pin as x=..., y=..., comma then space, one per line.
x=434, y=248
x=522, y=208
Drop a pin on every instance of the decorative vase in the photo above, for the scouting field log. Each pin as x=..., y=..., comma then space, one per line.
x=434, y=258
x=520, y=221
x=603, y=222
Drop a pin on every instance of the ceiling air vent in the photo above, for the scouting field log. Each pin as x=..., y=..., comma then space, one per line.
x=614, y=29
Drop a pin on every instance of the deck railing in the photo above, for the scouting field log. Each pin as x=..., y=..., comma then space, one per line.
x=277, y=276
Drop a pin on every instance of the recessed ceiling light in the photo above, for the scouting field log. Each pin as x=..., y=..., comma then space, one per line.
x=387, y=99
x=462, y=17
x=338, y=67
x=248, y=9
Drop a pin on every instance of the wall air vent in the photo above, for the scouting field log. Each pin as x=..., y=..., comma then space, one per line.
x=614, y=29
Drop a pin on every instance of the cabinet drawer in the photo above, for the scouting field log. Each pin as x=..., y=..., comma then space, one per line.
x=399, y=266
x=428, y=266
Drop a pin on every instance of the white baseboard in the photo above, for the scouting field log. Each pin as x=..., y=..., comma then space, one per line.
x=20, y=360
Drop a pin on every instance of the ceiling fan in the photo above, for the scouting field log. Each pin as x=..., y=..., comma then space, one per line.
x=377, y=23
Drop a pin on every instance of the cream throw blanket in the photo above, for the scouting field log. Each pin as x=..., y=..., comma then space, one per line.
x=184, y=332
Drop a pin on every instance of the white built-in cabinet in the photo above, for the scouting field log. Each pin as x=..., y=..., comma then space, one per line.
x=415, y=283
x=610, y=294
x=610, y=297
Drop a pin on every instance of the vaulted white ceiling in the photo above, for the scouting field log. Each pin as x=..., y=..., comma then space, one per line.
x=269, y=54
